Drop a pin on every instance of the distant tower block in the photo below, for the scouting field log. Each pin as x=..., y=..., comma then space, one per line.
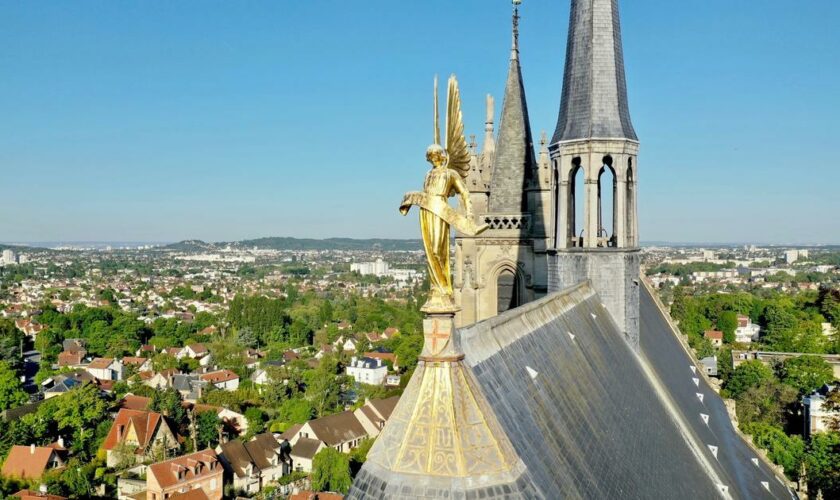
x=594, y=152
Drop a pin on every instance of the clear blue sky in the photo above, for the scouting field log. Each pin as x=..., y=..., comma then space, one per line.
x=163, y=121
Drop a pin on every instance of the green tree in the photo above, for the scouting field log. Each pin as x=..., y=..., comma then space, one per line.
x=727, y=323
x=11, y=340
x=168, y=402
x=78, y=412
x=786, y=451
x=331, y=471
x=11, y=390
x=246, y=337
x=407, y=350
x=207, y=429
x=748, y=374
x=806, y=373
x=323, y=386
x=780, y=330
x=295, y=411
x=358, y=455
x=164, y=361
x=822, y=463
x=769, y=403
x=256, y=420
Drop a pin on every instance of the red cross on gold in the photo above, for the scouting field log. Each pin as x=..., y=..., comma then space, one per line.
x=436, y=335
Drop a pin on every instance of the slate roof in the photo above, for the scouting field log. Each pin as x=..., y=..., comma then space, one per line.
x=385, y=406
x=339, y=428
x=290, y=432
x=262, y=448
x=515, y=162
x=258, y=453
x=236, y=457
x=305, y=448
x=594, y=99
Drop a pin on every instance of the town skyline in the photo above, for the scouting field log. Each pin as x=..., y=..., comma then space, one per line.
x=207, y=135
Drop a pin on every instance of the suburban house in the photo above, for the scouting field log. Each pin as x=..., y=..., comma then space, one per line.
x=201, y=470
x=384, y=356
x=346, y=345
x=143, y=434
x=132, y=402
x=260, y=377
x=189, y=386
x=234, y=422
x=746, y=331
x=715, y=337
x=374, y=413
x=139, y=364
x=73, y=345
x=159, y=380
x=341, y=431
x=223, y=379
x=71, y=359
x=256, y=463
x=393, y=381
x=61, y=384
x=325, y=350
x=37, y=495
x=303, y=451
x=29, y=327
x=106, y=369
x=146, y=351
x=196, y=351
x=31, y=462
x=367, y=370
x=818, y=418
x=710, y=365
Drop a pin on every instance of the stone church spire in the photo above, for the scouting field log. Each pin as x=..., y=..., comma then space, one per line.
x=515, y=161
x=594, y=101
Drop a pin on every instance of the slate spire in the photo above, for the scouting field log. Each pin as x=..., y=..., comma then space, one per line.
x=515, y=162
x=594, y=101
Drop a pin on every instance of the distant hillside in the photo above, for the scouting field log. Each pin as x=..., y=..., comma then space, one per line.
x=191, y=246
x=286, y=243
x=332, y=244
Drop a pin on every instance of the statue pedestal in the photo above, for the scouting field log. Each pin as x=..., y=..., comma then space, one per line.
x=442, y=435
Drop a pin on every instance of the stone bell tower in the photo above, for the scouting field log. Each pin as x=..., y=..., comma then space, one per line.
x=506, y=266
x=593, y=153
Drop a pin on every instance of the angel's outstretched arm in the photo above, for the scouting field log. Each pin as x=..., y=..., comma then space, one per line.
x=461, y=188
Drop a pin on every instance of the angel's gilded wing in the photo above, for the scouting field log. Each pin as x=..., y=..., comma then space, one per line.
x=456, y=143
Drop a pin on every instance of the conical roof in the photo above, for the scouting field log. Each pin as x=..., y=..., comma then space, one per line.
x=515, y=161
x=594, y=101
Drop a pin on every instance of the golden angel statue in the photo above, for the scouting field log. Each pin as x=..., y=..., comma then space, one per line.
x=450, y=166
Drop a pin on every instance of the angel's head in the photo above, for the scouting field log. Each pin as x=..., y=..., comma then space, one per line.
x=436, y=155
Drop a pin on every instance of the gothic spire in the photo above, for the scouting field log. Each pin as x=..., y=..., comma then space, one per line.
x=594, y=102
x=515, y=161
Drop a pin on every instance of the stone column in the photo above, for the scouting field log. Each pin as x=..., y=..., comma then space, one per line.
x=561, y=230
x=620, y=202
x=590, y=239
